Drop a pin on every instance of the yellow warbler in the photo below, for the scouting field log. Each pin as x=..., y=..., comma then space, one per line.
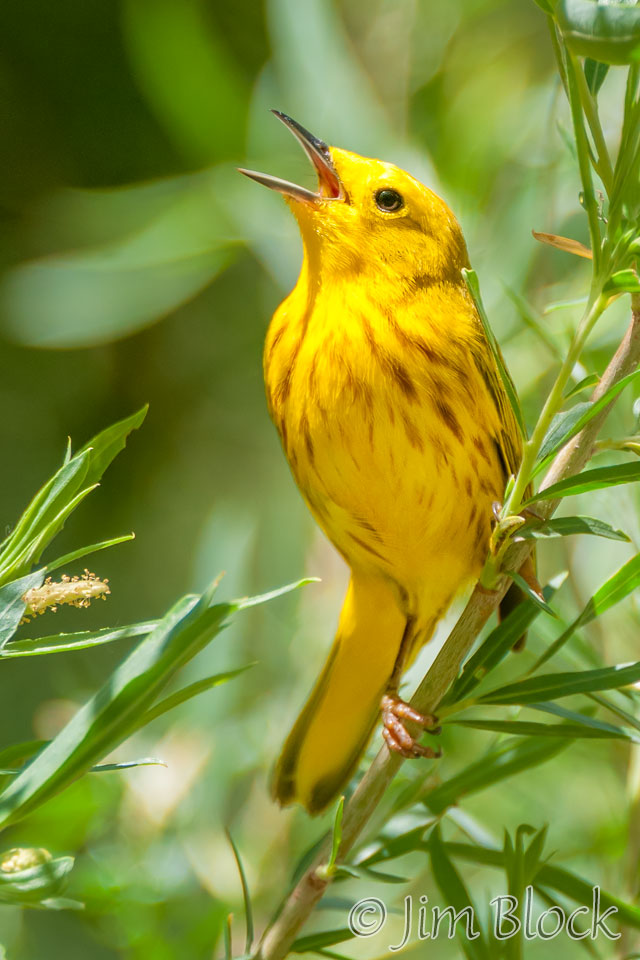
x=394, y=419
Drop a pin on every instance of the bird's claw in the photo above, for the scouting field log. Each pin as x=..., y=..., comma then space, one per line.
x=395, y=734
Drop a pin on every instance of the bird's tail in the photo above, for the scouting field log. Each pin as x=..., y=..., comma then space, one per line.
x=329, y=736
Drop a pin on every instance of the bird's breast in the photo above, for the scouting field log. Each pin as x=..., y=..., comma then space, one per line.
x=382, y=428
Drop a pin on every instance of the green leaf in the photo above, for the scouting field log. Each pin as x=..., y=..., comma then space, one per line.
x=565, y=882
x=585, y=384
x=471, y=279
x=85, y=551
x=530, y=317
x=555, y=709
x=495, y=766
x=46, y=514
x=345, y=870
x=127, y=765
x=336, y=836
x=595, y=73
x=245, y=602
x=317, y=941
x=192, y=690
x=12, y=606
x=531, y=593
x=388, y=848
x=50, y=501
x=568, y=526
x=457, y=896
x=623, y=582
x=65, y=642
x=590, y=480
x=551, y=686
x=607, y=32
x=566, y=425
x=20, y=751
x=496, y=646
x=106, y=445
x=527, y=728
x=113, y=713
x=246, y=896
x=624, y=281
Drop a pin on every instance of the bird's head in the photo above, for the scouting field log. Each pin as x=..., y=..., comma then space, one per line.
x=368, y=213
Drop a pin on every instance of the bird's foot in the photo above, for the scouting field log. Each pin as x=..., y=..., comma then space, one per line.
x=395, y=734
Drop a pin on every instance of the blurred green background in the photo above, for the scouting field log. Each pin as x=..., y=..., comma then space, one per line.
x=137, y=265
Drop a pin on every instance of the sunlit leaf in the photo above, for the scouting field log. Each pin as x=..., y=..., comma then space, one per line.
x=589, y=480
x=82, y=640
x=564, y=243
x=86, y=551
x=568, y=526
x=566, y=425
x=12, y=604
x=624, y=281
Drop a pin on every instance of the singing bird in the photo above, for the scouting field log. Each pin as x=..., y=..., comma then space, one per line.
x=395, y=422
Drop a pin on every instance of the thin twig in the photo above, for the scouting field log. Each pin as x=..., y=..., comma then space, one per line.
x=280, y=934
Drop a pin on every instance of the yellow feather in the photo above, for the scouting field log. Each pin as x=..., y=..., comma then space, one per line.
x=394, y=420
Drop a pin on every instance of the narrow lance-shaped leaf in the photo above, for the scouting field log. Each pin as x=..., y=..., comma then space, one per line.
x=316, y=941
x=567, y=424
x=551, y=686
x=528, y=728
x=497, y=645
x=12, y=605
x=574, y=716
x=66, y=642
x=589, y=480
x=568, y=526
x=114, y=712
x=457, y=896
x=45, y=506
x=188, y=692
x=510, y=758
x=246, y=896
x=623, y=582
x=557, y=878
x=107, y=444
x=74, y=555
x=585, y=384
x=528, y=591
x=595, y=73
x=471, y=279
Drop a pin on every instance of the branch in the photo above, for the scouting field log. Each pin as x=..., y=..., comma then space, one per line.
x=279, y=936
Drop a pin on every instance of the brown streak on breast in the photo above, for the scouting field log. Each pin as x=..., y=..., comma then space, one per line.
x=366, y=546
x=412, y=432
x=449, y=418
x=479, y=445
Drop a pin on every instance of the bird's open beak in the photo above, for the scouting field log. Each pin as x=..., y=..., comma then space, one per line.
x=329, y=185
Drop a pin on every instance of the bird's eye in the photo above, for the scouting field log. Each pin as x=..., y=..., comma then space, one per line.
x=388, y=200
